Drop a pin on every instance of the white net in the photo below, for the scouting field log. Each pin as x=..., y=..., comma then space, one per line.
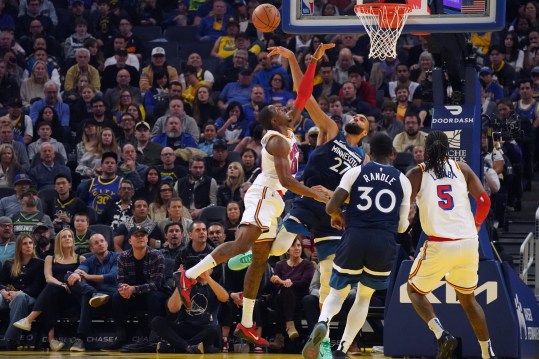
x=383, y=23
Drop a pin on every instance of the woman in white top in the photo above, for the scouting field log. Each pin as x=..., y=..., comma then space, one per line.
x=32, y=87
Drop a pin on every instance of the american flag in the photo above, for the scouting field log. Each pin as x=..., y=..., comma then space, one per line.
x=473, y=6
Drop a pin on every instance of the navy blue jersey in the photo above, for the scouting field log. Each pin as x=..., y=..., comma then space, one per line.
x=330, y=161
x=377, y=193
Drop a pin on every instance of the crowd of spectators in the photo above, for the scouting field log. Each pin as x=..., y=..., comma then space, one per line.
x=112, y=150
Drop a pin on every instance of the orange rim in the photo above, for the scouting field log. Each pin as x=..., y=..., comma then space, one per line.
x=384, y=11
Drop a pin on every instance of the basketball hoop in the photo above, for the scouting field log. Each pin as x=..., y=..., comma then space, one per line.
x=383, y=23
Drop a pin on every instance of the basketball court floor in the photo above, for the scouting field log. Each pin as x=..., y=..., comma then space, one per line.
x=111, y=355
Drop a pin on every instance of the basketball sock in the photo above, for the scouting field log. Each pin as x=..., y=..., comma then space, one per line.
x=356, y=316
x=205, y=264
x=247, y=312
x=333, y=304
x=486, y=349
x=282, y=242
x=436, y=326
x=326, y=266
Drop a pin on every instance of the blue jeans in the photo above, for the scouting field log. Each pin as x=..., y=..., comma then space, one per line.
x=19, y=308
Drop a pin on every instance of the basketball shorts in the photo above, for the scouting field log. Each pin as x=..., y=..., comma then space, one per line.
x=308, y=215
x=457, y=260
x=366, y=256
x=263, y=207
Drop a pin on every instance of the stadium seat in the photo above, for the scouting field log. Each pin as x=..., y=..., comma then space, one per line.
x=180, y=33
x=211, y=64
x=106, y=231
x=47, y=195
x=147, y=33
x=201, y=48
x=213, y=214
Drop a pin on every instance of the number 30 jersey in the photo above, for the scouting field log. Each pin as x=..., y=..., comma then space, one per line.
x=444, y=206
x=330, y=161
x=378, y=195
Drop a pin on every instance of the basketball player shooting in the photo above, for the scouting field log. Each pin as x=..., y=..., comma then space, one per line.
x=264, y=204
x=440, y=187
x=335, y=154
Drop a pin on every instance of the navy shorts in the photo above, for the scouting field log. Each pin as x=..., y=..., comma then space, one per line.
x=366, y=256
x=313, y=217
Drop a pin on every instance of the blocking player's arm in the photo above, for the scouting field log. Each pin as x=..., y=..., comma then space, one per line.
x=414, y=176
x=476, y=189
x=333, y=208
x=279, y=149
x=328, y=128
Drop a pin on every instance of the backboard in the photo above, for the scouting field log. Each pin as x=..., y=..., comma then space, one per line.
x=450, y=16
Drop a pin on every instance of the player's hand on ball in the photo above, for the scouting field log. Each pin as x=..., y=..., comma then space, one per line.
x=337, y=222
x=321, y=50
x=283, y=51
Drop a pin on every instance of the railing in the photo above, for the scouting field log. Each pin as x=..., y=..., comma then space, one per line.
x=527, y=251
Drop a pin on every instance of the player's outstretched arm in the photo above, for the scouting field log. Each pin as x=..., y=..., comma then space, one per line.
x=328, y=128
x=279, y=149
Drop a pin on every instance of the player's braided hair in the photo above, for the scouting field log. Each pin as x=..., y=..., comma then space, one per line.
x=436, y=152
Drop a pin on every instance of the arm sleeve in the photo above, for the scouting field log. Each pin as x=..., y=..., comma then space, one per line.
x=483, y=207
x=305, y=87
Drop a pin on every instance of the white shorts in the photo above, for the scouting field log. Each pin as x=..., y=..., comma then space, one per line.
x=263, y=207
x=457, y=260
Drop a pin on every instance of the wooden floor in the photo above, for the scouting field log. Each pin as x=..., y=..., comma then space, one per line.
x=105, y=355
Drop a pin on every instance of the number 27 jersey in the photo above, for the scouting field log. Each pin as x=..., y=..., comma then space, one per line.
x=444, y=206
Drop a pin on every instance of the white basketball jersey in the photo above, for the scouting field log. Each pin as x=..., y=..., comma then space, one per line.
x=444, y=206
x=269, y=177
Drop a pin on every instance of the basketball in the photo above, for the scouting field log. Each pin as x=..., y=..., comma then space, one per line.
x=266, y=18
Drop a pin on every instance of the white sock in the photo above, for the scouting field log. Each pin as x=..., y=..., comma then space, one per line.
x=205, y=264
x=247, y=312
x=486, y=349
x=356, y=316
x=436, y=326
x=326, y=266
x=333, y=304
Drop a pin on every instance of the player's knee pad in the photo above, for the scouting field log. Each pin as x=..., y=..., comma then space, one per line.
x=282, y=242
x=326, y=267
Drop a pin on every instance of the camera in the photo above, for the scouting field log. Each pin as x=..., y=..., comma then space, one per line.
x=508, y=129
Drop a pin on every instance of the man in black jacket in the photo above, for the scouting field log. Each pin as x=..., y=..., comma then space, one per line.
x=197, y=190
